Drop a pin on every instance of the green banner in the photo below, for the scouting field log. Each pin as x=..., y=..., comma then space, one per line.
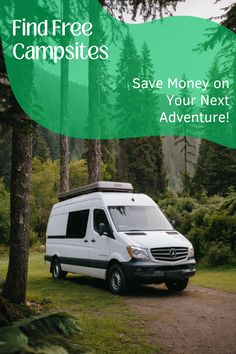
x=78, y=71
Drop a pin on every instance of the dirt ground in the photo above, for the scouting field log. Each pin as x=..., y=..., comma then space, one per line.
x=198, y=320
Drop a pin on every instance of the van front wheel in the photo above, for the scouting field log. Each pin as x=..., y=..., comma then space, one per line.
x=116, y=280
x=57, y=272
x=177, y=285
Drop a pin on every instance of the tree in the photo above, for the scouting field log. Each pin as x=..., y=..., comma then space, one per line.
x=145, y=165
x=40, y=146
x=5, y=152
x=228, y=19
x=99, y=89
x=64, y=140
x=216, y=168
x=16, y=280
x=128, y=67
x=186, y=147
x=4, y=213
x=148, y=9
x=140, y=160
x=15, y=285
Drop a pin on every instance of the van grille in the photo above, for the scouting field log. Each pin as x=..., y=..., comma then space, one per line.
x=170, y=254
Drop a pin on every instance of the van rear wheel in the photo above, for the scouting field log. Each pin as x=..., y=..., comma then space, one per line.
x=177, y=285
x=57, y=272
x=116, y=281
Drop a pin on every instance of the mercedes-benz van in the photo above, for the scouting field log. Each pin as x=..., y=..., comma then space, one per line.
x=105, y=230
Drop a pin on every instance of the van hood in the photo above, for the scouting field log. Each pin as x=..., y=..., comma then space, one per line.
x=154, y=239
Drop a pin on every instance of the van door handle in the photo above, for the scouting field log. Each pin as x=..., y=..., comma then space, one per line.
x=85, y=240
x=93, y=240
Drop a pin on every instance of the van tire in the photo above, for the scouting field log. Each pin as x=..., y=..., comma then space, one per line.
x=57, y=272
x=177, y=285
x=116, y=281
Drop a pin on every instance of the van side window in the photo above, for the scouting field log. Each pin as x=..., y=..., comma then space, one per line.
x=99, y=217
x=77, y=224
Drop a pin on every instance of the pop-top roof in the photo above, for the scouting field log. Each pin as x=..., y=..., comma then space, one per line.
x=101, y=186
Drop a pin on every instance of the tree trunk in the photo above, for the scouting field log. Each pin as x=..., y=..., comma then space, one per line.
x=64, y=140
x=64, y=164
x=94, y=146
x=94, y=157
x=15, y=286
x=121, y=162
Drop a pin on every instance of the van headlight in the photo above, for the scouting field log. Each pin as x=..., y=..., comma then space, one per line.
x=138, y=253
x=190, y=252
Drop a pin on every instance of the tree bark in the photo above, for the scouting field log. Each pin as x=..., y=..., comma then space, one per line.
x=94, y=157
x=94, y=146
x=15, y=286
x=121, y=162
x=64, y=164
x=64, y=140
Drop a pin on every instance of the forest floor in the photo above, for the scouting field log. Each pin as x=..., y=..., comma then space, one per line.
x=150, y=320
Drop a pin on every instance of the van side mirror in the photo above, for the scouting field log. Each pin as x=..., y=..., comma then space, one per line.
x=173, y=222
x=102, y=230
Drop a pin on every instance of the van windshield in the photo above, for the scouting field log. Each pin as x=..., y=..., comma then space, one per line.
x=139, y=218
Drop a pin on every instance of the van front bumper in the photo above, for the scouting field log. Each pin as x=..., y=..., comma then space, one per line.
x=148, y=272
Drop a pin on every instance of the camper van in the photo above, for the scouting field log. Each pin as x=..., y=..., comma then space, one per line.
x=107, y=231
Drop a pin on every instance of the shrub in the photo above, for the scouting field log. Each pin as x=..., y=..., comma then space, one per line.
x=208, y=222
x=186, y=204
x=219, y=254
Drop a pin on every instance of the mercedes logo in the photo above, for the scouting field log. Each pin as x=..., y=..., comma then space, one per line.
x=173, y=253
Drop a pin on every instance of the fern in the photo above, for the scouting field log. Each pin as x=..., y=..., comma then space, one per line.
x=42, y=334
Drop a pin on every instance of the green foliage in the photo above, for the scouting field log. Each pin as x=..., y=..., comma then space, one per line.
x=40, y=147
x=144, y=165
x=219, y=254
x=5, y=152
x=108, y=165
x=128, y=67
x=78, y=173
x=13, y=341
x=109, y=324
x=140, y=159
x=4, y=213
x=45, y=191
x=40, y=334
x=208, y=222
x=216, y=169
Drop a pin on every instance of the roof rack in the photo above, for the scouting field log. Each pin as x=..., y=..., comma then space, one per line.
x=101, y=186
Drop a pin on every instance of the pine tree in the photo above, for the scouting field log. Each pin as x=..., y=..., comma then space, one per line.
x=128, y=99
x=141, y=159
x=99, y=89
x=147, y=9
x=216, y=168
x=64, y=140
x=21, y=166
x=184, y=142
x=40, y=146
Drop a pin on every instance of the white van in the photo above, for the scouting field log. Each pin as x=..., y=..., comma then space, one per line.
x=104, y=230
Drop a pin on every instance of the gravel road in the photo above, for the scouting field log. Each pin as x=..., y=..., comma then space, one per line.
x=196, y=321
